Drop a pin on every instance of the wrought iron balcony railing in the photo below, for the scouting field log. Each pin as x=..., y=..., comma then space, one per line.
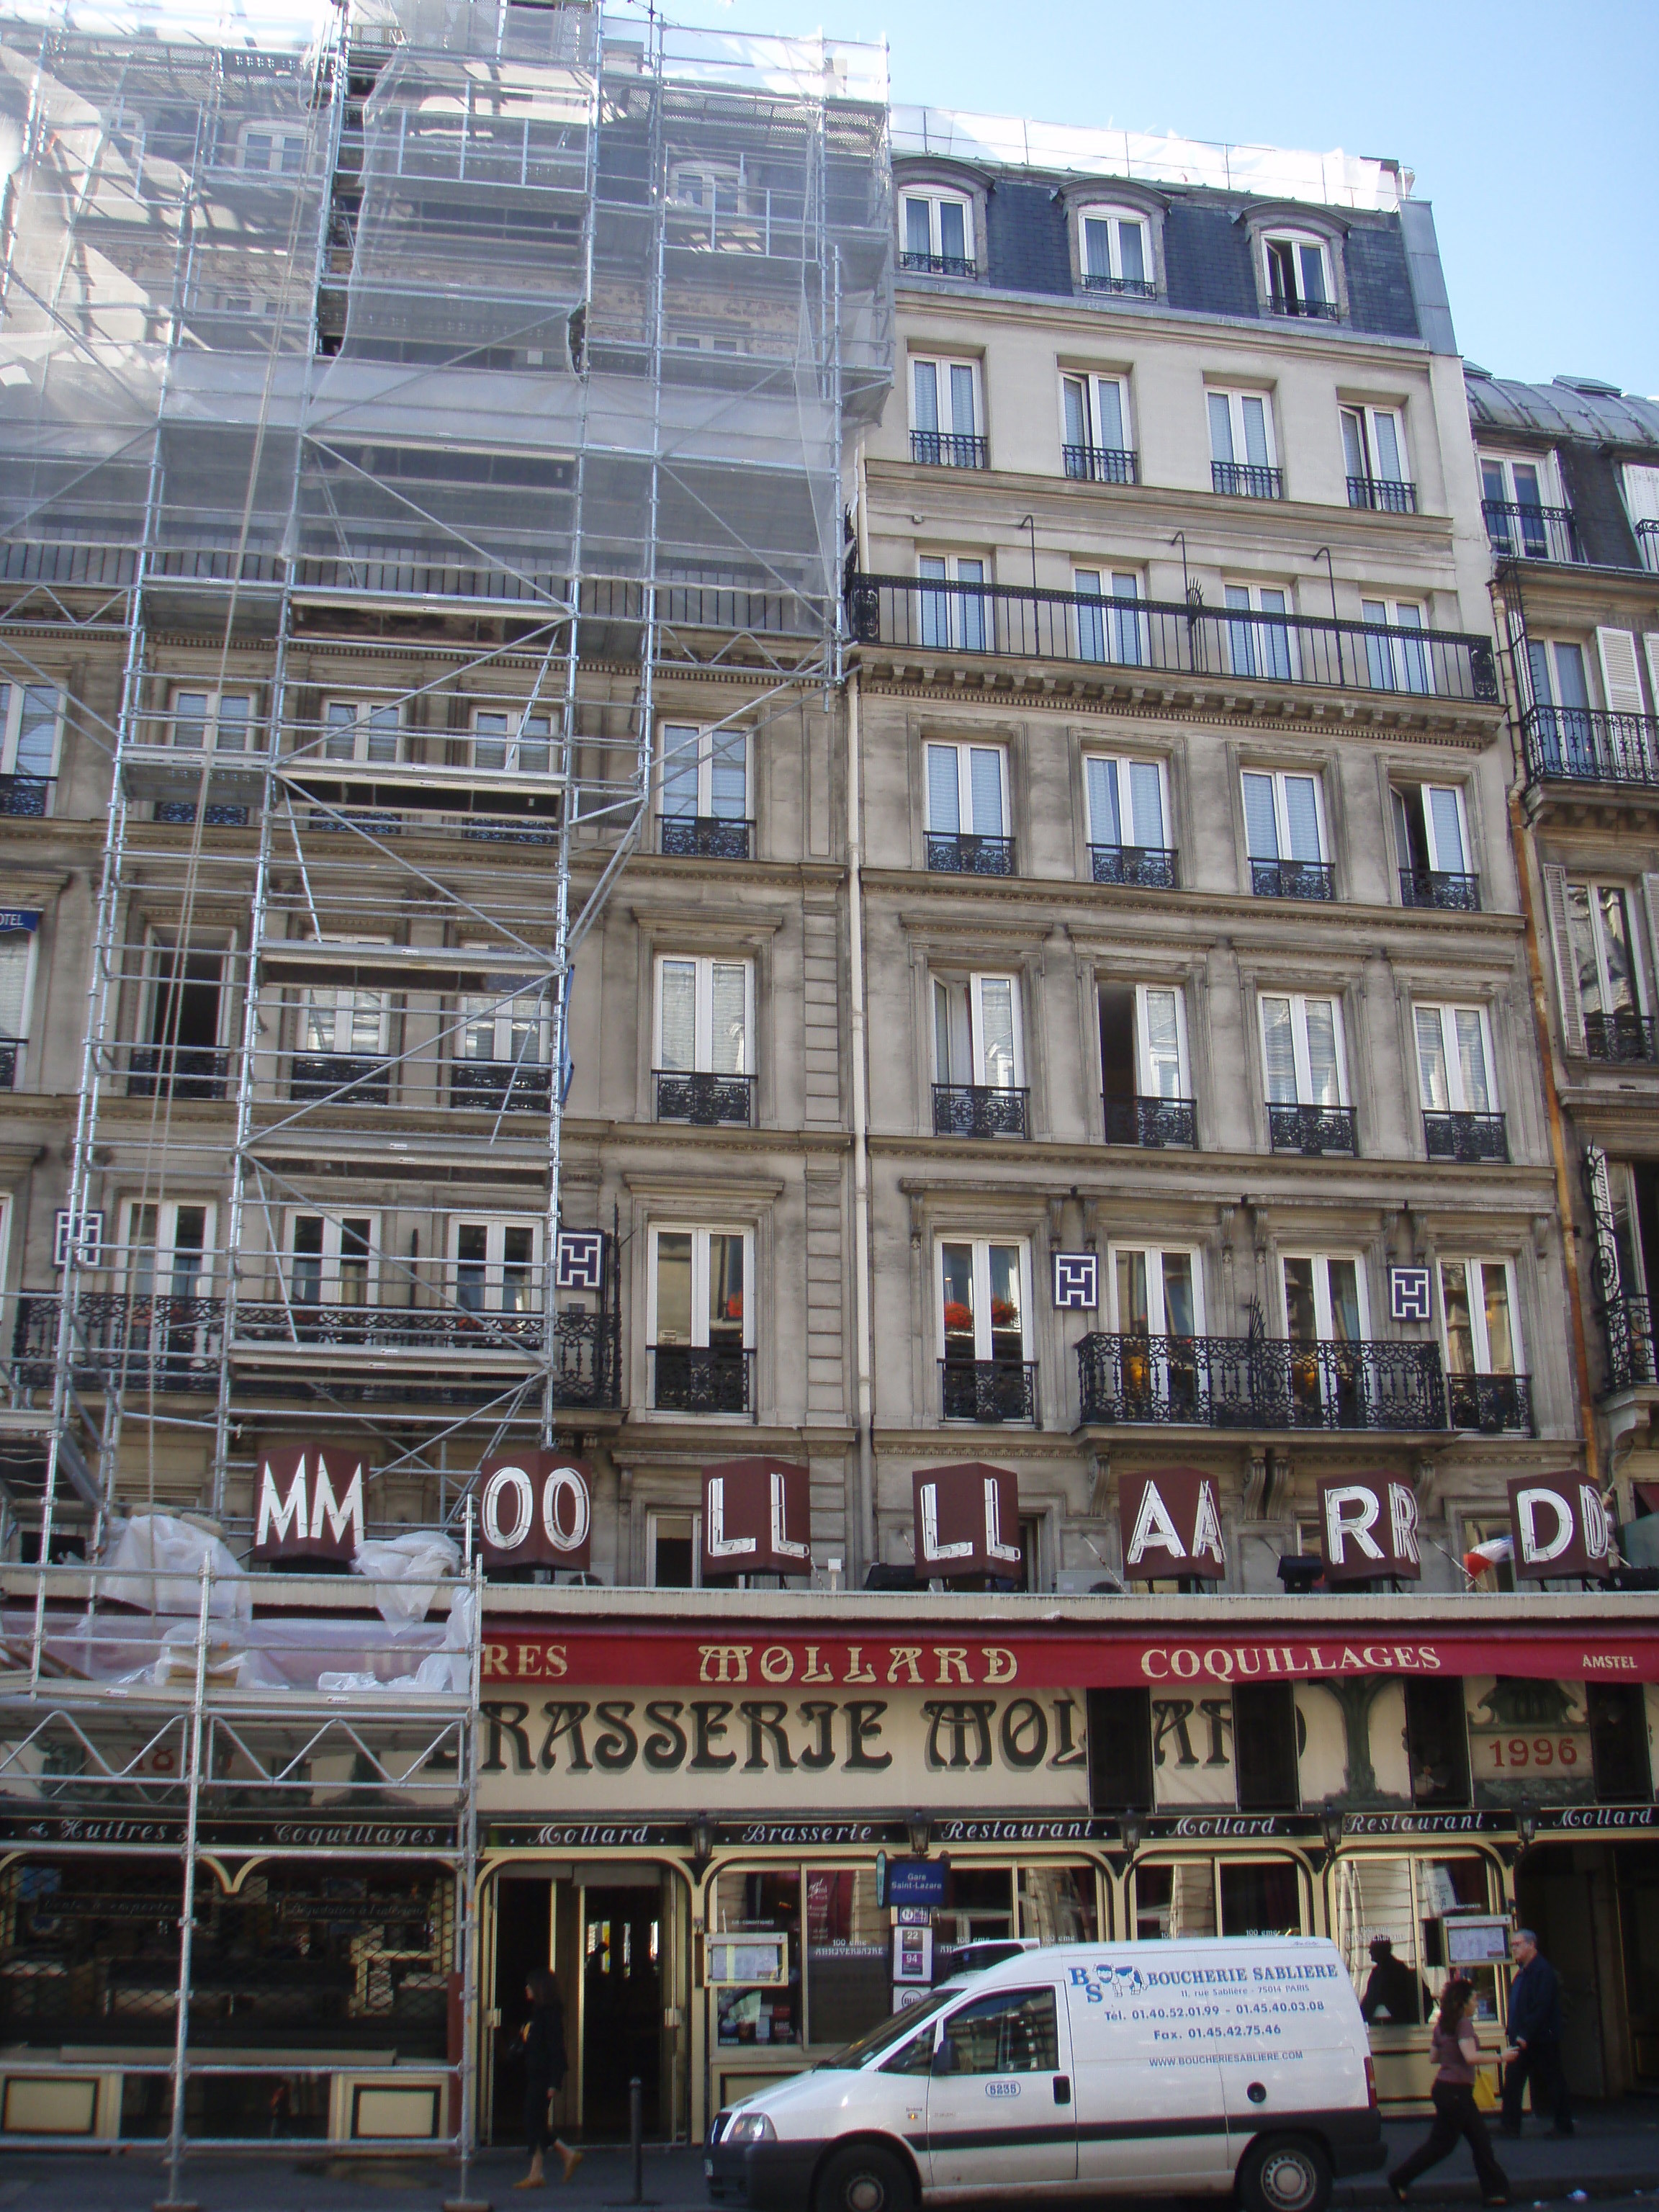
x=1151, y=1123
x=1522, y=532
x=1382, y=495
x=691, y=1378
x=1312, y=311
x=980, y=1110
x=1465, y=1137
x=938, y=264
x=1107, y=465
x=706, y=837
x=988, y=1390
x=1179, y=639
x=705, y=1100
x=343, y=1079
x=122, y=1341
x=957, y=853
x=182, y=1071
x=1130, y=287
x=948, y=449
x=496, y=1086
x=11, y=1052
x=1623, y=1040
x=1647, y=543
x=1311, y=1130
x=1440, y=887
x=27, y=795
x=1292, y=879
x=1140, y=867
x=1494, y=1404
x=583, y=1347
x=1582, y=744
x=1260, y=1382
x=1247, y=480
x=1627, y=1332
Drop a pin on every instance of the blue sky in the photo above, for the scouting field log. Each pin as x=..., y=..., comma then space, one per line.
x=1530, y=126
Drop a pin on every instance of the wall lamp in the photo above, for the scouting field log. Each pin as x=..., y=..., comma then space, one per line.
x=703, y=1843
x=1133, y=1829
x=920, y=1828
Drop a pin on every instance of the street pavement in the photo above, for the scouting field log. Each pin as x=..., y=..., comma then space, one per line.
x=1613, y=2159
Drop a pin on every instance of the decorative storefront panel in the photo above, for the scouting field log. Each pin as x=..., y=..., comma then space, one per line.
x=1528, y=1742
x=1350, y=1741
x=1193, y=1761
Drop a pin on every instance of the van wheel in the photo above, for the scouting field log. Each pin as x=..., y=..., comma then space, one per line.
x=863, y=2179
x=1285, y=2176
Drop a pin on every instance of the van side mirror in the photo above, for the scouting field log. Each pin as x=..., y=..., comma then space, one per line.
x=945, y=2056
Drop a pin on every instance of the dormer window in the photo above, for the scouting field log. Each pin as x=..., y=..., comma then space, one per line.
x=1116, y=252
x=1298, y=271
x=938, y=235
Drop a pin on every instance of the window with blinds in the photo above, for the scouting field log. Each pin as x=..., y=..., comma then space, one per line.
x=1453, y=1059
x=1127, y=801
x=1282, y=818
x=967, y=790
x=29, y=729
x=703, y=1015
x=1302, y=1050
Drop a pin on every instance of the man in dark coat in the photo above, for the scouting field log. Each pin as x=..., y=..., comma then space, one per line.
x=1392, y=1988
x=1535, y=2038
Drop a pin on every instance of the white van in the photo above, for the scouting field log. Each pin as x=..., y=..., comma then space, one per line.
x=1185, y=2069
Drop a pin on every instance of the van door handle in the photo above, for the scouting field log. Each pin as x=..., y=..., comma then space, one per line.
x=1062, y=2088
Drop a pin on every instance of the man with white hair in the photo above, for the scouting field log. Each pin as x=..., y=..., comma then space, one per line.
x=1534, y=2049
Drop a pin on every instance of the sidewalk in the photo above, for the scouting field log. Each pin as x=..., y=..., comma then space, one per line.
x=1614, y=2154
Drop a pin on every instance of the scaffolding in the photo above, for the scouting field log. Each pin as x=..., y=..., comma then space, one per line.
x=390, y=395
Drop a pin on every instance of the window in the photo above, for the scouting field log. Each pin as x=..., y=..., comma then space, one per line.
x=1459, y=1095
x=705, y=791
x=1561, y=704
x=944, y=414
x=967, y=808
x=1156, y=1293
x=1109, y=625
x=1394, y=664
x=701, y=1051
x=169, y=1249
x=1610, y=966
x=1144, y=1090
x=364, y=731
x=1326, y=1318
x=1432, y=845
x=1013, y=2032
x=273, y=149
x=959, y=619
x=333, y=1258
x=977, y=1059
x=1284, y=835
x=1095, y=418
x=673, y=1551
x=1129, y=816
x=1374, y=451
x=701, y=1319
x=30, y=717
x=339, y=1019
x=186, y=1010
x=1641, y=505
x=16, y=972
x=984, y=1296
x=494, y=1266
x=1264, y=648
x=1480, y=1324
x=1116, y=252
x=1298, y=273
x=1242, y=459
x=222, y=720
x=1302, y=1059
x=1525, y=520
x=507, y=738
x=938, y=235
x=766, y=1908
x=501, y=1026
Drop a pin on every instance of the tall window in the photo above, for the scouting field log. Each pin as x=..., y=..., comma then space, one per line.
x=361, y=730
x=1116, y=253
x=1241, y=456
x=507, y=738
x=1457, y=1083
x=1526, y=518
x=960, y=619
x=1432, y=846
x=1299, y=277
x=500, y=1025
x=16, y=958
x=1128, y=813
x=169, y=1248
x=967, y=806
x=984, y=1297
x=494, y=1266
x=1399, y=663
x=220, y=720
x=1610, y=965
x=701, y=1318
x=1156, y=1292
x=1145, y=1086
x=1483, y=1345
x=1110, y=623
x=1326, y=1313
x=1301, y=1061
x=702, y=1049
x=1561, y=697
x=944, y=414
x=1284, y=835
x=939, y=234
x=1373, y=451
x=340, y=1019
x=333, y=1258
x=705, y=790
x=30, y=717
x=1261, y=648
x=976, y=1030
x=1098, y=441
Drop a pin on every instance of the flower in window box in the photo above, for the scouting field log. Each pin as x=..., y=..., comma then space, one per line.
x=1005, y=1313
x=959, y=1318
x=734, y=1306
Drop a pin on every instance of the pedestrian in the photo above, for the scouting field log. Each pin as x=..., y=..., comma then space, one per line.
x=544, y=2068
x=1455, y=2047
x=1534, y=2039
x=1392, y=1988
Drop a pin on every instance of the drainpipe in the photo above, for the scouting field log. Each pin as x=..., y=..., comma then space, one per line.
x=865, y=1549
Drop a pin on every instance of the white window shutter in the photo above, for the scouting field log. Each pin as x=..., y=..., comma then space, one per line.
x=1650, y=643
x=1566, y=972
x=1651, y=901
x=1621, y=686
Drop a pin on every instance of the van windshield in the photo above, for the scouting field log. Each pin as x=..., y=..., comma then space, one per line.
x=886, y=2033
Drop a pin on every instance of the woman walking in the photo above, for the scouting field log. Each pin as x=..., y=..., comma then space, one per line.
x=544, y=2068
x=1454, y=2048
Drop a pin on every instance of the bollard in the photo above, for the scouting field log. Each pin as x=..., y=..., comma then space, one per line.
x=636, y=2136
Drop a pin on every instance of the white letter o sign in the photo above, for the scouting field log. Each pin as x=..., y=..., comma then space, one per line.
x=504, y=1480
x=563, y=1481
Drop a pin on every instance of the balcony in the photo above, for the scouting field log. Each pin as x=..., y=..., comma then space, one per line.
x=1627, y=1332
x=1621, y=1040
x=182, y=1071
x=952, y=853
x=707, y=837
x=1246, y=480
x=1313, y=310
x=11, y=1053
x=980, y=1109
x=695, y=1378
x=947, y=449
x=1292, y=879
x=1468, y=1137
x=584, y=1346
x=706, y=1101
x=1107, y=465
x=1313, y=1131
x=1382, y=495
x=938, y=264
x=1185, y=641
x=1584, y=744
x=1496, y=1405
x=1151, y=1123
x=500, y=1086
x=122, y=1342
x=988, y=1390
x=1126, y=288
x=28, y=796
x=1519, y=532
x=1647, y=544
x=1260, y=1382
x=1137, y=867
x=343, y=1079
x=1440, y=888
